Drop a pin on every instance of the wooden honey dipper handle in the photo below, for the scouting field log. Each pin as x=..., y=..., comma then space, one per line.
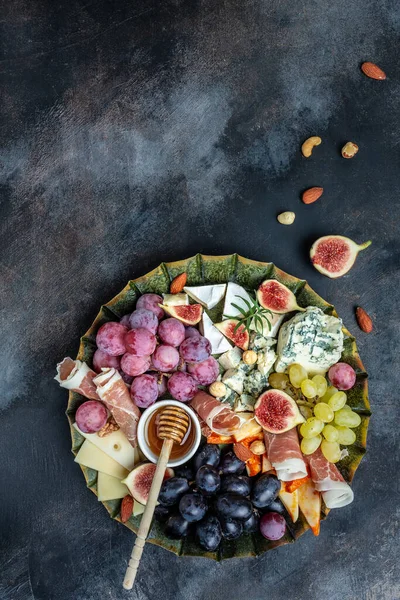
x=173, y=425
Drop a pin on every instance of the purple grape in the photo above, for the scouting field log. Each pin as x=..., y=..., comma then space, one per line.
x=161, y=383
x=102, y=359
x=135, y=365
x=342, y=376
x=191, y=332
x=110, y=338
x=182, y=386
x=171, y=332
x=165, y=358
x=272, y=526
x=126, y=378
x=144, y=391
x=91, y=416
x=125, y=321
x=151, y=302
x=204, y=372
x=140, y=342
x=144, y=318
x=195, y=349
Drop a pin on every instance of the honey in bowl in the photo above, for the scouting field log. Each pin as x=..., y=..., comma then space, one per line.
x=155, y=443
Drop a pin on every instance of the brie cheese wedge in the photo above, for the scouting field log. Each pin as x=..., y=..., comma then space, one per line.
x=207, y=295
x=234, y=295
x=218, y=342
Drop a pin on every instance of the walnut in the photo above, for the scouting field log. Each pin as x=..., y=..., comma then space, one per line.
x=108, y=428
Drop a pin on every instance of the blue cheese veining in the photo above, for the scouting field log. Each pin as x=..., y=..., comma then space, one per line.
x=312, y=339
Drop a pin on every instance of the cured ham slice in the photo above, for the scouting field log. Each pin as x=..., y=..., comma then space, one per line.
x=217, y=415
x=112, y=390
x=283, y=451
x=75, y=375
x=328, y=480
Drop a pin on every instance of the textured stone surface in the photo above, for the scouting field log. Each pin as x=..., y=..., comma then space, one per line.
x=139, y=132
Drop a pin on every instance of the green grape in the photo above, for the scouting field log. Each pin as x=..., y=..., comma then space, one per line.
x=321, y=384
x=306, y=412
x=329, y=392
x=308, y=388
x=278, y=381
x=347, y=437
x=347, y=418
x=331, y=451
x=337, y=401
x=347, y=407
x=323, y=412
x=297, y=374
x=330, y=433
x=311, y=428
x=310, y=445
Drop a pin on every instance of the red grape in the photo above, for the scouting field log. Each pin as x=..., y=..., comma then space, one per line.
x=204, y=372
x=110, y=338
x=171, y=332
x=91, y=416
x=125, y=321
x=144, y=391
x=342, y=376
x=272, y=526
x=151, y=302
x=135, y=365
x=161, y=383
x=140, y=342
x=102, y=359
x=165, y=358
x=126, y=378
x=182, y=386
x=195, y=349
x=191, y=332
x=142, y=317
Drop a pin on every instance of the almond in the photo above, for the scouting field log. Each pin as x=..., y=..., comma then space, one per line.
x=242, y=452
x=312, y=194
x=178, y=284
x=126, y=508
x=364, y=320
x=373, y=71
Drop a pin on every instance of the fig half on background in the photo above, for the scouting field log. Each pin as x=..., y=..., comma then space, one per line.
x=334, y=255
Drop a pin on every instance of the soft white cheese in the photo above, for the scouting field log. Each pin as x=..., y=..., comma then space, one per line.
x=312, y=339
x=275, y=322
x=234, y=380
x=265, y=360
x=231, y=359
x=218, y=342
x=175, y=299
x=235, y=295
x=207, y=295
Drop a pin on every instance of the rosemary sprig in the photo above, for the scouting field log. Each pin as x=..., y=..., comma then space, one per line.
x=254, y=312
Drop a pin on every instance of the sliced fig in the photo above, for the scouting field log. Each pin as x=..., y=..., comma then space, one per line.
x=277, y=412
x=240, y=337
x=276, y=297
x=189, y=314
x=334, y=255
x=140, y=479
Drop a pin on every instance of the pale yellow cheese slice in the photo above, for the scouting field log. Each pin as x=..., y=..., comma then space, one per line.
x=110, y=488
x=94, y=458
x=115, y=445
x=291, y=503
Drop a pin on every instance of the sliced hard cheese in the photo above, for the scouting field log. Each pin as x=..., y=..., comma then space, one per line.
x=218, y=342
x=110, y=488
x=207, y=295
x=248, y=429
x=115, y=445
x=291, y=503
x=310, y=505
x=138, y=509
x=235, y=295
x=94, y=458
x=175, y=299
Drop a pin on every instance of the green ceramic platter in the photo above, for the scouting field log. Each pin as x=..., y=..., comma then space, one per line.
x=202, y=269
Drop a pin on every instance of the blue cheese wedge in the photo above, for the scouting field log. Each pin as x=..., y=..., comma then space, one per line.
x=235, y=294
x=255, y=383
x=244, y=403
x=231, y=359
x=218, y=342
x=207, y=295
x=258, y=342
x=246, y=369
x=312, y=339
x=234, y=379
x=275, y=322
x=265, y=360
x=230, y=397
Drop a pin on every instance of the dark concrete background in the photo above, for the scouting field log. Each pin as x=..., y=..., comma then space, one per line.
x=135, y=132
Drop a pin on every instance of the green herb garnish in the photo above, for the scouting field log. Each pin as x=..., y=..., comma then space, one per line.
x=254, y=312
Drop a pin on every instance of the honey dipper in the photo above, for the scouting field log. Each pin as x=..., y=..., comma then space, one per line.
x=172, y=427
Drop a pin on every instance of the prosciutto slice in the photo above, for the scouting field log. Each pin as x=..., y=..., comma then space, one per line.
x=112, y=390
x=76, y=376
x=328, y=480
x=219, y=417
x=283, y=451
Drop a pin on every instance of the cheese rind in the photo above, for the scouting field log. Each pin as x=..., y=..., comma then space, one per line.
x=218, y=342
x=115, y=445
x=207, y=295
x=235, y=294
x=94, y=458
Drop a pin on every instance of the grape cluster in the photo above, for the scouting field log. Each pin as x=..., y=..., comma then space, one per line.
x=153, y=354
x=212, y=498
x=329, y=419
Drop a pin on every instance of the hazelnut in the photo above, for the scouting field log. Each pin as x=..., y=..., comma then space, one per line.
x=349, y=150
x=249, y=357
x=217, y=389
x=257, y=447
